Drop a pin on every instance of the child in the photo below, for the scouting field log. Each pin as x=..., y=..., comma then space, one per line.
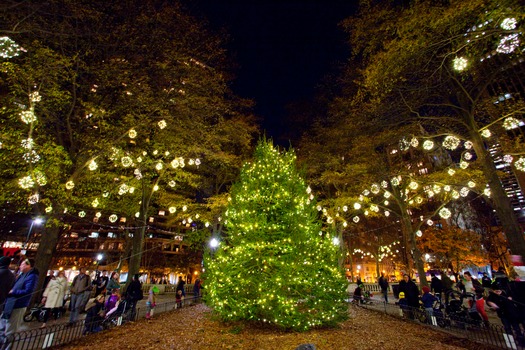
x=178, y=299
x=113, y=299
x=403, y=304
x=358, y=295
x=428, y=302
x=150, y=304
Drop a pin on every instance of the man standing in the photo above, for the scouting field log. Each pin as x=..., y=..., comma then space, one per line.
x=80, y=286
x=7, y=279
x=18, y=299
x=411, y=291
x=383, y=283
x=436, y=285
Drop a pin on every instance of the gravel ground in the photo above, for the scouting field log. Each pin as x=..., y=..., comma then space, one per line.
x=193, y=328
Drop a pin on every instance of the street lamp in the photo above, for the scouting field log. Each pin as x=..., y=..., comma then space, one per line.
x=37, y=221
x=214, y=243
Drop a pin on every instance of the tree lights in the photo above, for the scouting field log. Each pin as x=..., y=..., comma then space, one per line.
x=275, y=265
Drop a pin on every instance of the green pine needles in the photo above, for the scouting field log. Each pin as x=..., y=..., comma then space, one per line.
x=275, y=265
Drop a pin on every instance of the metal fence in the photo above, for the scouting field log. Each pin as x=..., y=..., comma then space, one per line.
x=460, y=324
x=61, y=334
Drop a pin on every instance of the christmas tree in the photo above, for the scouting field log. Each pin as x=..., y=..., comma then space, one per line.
x=275, y=265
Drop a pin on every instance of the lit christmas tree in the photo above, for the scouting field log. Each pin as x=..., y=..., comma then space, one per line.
x=275, y=264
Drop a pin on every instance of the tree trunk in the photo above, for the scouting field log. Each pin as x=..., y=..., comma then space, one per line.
x=416, y=253
x=136, y=253
x=44, y=255
x=500, y=200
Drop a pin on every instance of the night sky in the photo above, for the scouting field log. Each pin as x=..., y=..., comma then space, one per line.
x=283, y=48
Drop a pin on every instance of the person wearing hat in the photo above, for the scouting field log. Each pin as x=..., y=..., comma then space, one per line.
x=428, y=301
x=7, y=279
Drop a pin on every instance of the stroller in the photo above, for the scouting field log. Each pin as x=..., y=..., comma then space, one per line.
x=118, y=315
x=457, y=311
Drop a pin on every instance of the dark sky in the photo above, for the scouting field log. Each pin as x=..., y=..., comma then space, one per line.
x=283, y=48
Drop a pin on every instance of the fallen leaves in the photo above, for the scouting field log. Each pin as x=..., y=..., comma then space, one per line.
x=193, y=328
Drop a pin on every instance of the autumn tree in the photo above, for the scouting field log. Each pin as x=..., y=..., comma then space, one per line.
x=452, y=68
x=127, y=92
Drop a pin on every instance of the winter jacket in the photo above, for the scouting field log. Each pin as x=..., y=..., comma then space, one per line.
x=22, y=292
x=81, y=283
x=7, y=279
x=55, y=291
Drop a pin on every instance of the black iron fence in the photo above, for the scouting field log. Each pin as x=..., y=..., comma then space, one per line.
x=460, y=323
x=60, y=334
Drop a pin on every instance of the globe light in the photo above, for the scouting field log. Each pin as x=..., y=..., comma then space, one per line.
x=511, y=123
x=468, y=144
x=445, y=213
x=428, y=145
x=460, y=63
x=92, y=165
x=451, y=142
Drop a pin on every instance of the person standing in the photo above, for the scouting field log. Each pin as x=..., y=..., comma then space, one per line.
x=54, y=296
x=135, y=294
x=18, y=299
x=101, y=282
x=7, y=279
x=383, y=283
x=180, y=286
x=411, y=291
x=81, y=284
x=436, y=285
x=197, y=289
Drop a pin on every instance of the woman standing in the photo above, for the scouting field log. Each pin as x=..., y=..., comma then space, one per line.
x=53, y=298
x=113, y=283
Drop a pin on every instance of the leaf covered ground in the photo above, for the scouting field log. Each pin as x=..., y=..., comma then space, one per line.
x=193, y=328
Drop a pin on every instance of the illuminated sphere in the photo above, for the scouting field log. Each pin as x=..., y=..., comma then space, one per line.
x=520, y=164
x=95, y=203
x=98, y=214
x=70, y=184
x=428, y=145
x=468, y=144
x=172, y=210
x=486, y=192
x=414, y=142
x=419, y=233
x=511, y=123
x=113, y=218
x=384, y=184
x=464, y=192
x=159, y=166
x=508, y=23
x=92, y=165
x=430, y=222
x=444, y=213
x=26, y=182
x=132, y=134
x=413, y=185
x=446, y=188
x=467, y=156
x=451, y=142
x=375, y=188
x=508, y=43
x=345, y=208
x=386, y=194
x=28, y=117
x=387, y=213
x=162, y=124
x=486, y=133
x=49, y=209
x=126, y=161
x=82, y=214
x=357, y=206
x=33, y=199
x=507, y=158
x=394, y=181
x=463, y=164
x=471, y=184
x=460, y=63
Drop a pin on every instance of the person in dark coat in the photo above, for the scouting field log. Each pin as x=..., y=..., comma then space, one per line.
x=436, y=285
x=135, y=294
x=383, y=284
x=7, y=280
x=94, y=315
x=18, y=299
x=411, y=291
x=180, y=286
x=508, y=312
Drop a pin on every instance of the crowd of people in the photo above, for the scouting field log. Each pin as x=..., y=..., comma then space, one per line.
x=474, y=297
x=18, y=283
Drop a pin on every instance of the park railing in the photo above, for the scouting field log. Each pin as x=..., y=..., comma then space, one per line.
x=459, y=323
x=60, y=334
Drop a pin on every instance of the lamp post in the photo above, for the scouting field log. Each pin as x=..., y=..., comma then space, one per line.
x=37, y=221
